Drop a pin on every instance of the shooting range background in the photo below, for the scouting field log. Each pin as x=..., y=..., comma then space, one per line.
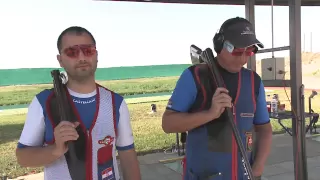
x=27, y=76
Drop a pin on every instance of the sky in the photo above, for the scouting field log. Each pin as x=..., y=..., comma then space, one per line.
x=133, y=34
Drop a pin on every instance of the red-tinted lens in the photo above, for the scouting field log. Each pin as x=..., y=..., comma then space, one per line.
x=74, y=51
x=243, y=51
x=88, y=50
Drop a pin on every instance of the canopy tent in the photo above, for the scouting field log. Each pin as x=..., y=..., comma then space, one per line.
x=231, y=2
x=297, y=103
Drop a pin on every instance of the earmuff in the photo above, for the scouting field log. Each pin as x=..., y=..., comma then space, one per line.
x=218, y=38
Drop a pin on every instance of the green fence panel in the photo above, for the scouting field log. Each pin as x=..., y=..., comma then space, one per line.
x=42, y=75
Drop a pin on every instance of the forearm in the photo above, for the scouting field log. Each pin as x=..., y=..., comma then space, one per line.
x=36, y=156
x=131, y=172
x=264, y=140
x=130, y=167
x=174, y=122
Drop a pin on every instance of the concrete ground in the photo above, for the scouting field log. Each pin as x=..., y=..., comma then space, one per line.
x=278, y=167
x=280, y=163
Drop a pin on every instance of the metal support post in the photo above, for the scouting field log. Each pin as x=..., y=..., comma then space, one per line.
x=299, y=156
x=249, y=9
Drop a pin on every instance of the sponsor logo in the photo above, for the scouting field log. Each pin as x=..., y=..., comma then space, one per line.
x=169, y=105
x=248, y=115
x=107, y=141
x=247, y=31
x=84, y=102
x=249, y=141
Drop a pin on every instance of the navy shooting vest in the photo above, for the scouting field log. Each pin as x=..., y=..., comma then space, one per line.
x=211, y=149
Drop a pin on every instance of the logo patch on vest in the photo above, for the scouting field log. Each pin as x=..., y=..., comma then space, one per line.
x=248, y=115
x=107, y=174
x=249, y=141
x=169, y=105
x=105, y=153
x=107, y=141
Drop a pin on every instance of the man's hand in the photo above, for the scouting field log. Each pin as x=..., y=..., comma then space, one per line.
x=64, y=132
x=257, y=170
x=42, y=156
x=220, y=101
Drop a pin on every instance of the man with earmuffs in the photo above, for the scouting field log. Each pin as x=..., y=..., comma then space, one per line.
x=197, y=107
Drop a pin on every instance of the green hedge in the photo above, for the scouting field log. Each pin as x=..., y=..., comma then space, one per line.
x=43, y=76
x=16, y=95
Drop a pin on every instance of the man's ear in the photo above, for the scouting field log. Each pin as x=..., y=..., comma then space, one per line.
x=59, y=60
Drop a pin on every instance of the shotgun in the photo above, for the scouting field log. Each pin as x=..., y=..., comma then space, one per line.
x=62, y=111
x=208, y=58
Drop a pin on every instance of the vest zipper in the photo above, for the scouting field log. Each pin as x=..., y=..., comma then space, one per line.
x=235, y=148
x=88, y=157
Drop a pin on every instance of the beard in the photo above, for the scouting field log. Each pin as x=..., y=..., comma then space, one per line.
x=81, y=73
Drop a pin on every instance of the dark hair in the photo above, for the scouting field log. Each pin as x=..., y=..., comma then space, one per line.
x=73, y=29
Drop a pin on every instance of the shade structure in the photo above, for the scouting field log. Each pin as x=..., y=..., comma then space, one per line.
x=230, y=2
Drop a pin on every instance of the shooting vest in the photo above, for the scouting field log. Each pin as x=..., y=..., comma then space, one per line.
x=211, y=149
x=98, y=142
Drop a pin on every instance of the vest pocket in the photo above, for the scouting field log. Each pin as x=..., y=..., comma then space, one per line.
x=105, y=154
x=105, y=163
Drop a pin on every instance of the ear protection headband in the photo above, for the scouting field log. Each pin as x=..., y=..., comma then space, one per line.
x=218, y=38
